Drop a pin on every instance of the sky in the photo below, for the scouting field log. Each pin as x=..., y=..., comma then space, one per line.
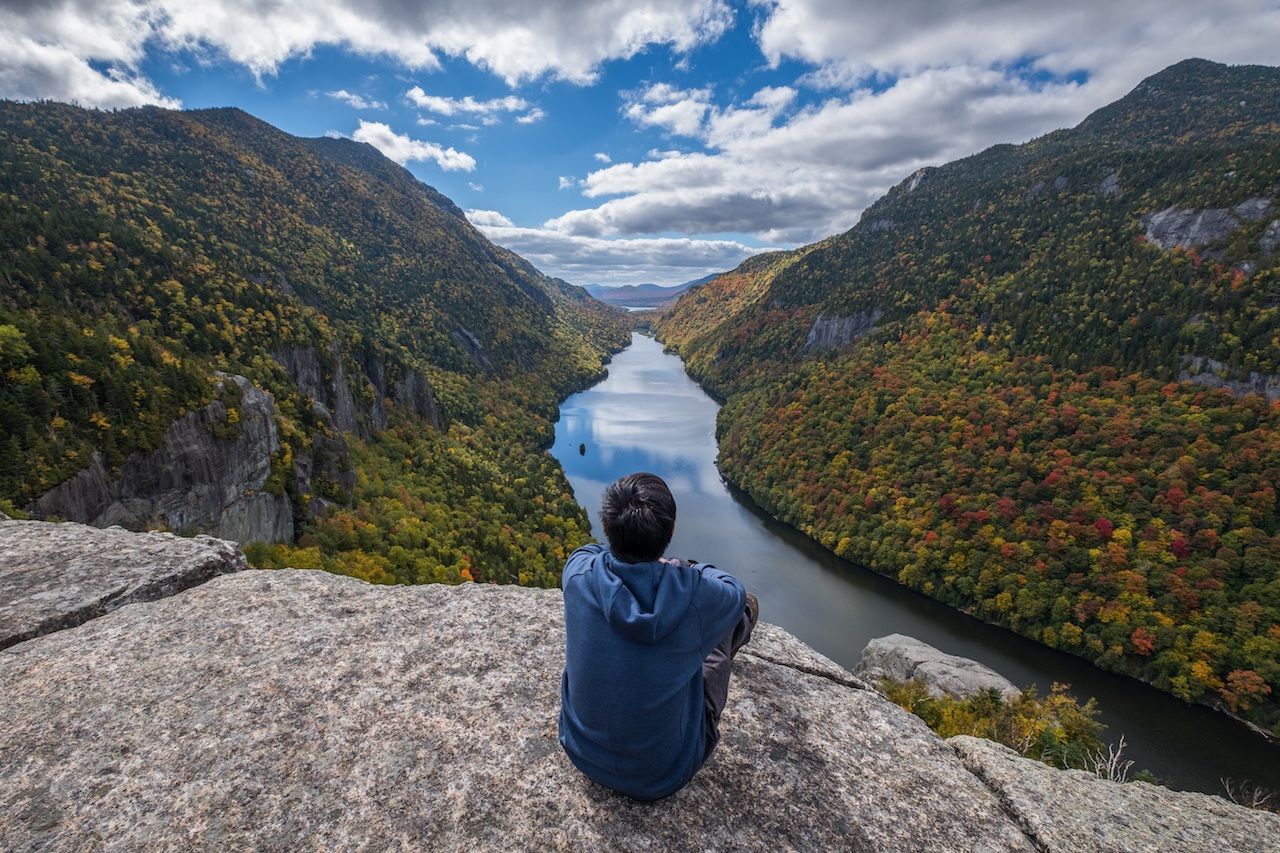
x=630, y=141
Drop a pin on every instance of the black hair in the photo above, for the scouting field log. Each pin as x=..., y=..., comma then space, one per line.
x=639, y=516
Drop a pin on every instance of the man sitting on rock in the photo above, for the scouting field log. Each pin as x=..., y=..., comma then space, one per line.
x=648, y=648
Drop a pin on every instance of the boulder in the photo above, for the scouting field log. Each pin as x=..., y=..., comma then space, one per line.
x=1074, y=810
x=195, y=481
x=278, y=710
x=55, y=576
x=903, y=658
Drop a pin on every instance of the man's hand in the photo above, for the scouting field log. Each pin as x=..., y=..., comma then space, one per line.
x=676, y=561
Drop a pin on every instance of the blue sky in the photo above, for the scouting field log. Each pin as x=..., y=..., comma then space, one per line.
x=623, y=141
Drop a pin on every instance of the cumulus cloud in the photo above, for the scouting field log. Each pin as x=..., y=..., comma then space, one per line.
x=360, y=102
x=676, y=110
x=403, y=149
x=535, y=114
x=565, y=182
x=602, y=157
x=664, y=260
x=489, y=219
x=1123, y=40
x=91, y=50
x=32, y=67
x=453, y=106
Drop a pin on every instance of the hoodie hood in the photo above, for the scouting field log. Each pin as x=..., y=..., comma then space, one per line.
x=643, y=602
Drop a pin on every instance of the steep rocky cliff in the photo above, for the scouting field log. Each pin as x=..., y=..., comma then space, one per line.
x=207, y=475
x=276, y=710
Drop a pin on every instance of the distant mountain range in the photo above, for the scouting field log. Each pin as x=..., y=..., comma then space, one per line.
x=643, y=295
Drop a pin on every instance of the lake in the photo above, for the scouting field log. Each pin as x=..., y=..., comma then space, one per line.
x=648, y=415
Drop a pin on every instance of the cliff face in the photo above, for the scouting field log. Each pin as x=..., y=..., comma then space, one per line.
x=198, y=479
x=275, y=710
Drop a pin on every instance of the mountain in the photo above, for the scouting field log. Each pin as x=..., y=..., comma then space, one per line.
x=643, y=295
x=211, y=325
x=1040, y=384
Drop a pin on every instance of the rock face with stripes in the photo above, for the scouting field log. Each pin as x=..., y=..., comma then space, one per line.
x=278, y=710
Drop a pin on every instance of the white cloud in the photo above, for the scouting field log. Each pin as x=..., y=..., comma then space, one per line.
x=535, y=114
x=453, y=106
x=475, y=187
x=665, y=260
x=31, y=68
x=359, y=102
x=1127, y=40
x=91, y=50
x=489, y=218
x=334, y=134
x=566, y=182
x=602, y=157
x=676, y=110
x=403, y=149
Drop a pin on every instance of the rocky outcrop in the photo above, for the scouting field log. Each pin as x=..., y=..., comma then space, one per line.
x=413, y=393
x=327, y=386
x=56, y=576
x=1110, y=185
x=1074, y=810
x=902, y=658
x=272, y=710
x=1270, y=241
x=267, y=709
x=471, y=345
x=1216, y=374
x=195, y=481
x=830, y=332
x=1189, y=228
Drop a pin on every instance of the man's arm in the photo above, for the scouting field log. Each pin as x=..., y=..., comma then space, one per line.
x=721, y=602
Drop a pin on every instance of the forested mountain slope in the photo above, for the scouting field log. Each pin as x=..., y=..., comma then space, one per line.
x=981, y=388
x=412, y=367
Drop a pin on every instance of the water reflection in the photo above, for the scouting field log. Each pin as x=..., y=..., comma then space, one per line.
x=649, y=416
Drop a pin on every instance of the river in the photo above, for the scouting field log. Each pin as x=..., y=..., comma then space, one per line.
x=648, y=415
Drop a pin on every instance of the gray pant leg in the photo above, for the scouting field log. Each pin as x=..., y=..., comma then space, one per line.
x=715, y=677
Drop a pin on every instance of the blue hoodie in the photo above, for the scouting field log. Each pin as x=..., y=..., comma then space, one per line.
x=631, y=706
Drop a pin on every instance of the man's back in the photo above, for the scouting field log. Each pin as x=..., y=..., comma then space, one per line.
x=636, y=636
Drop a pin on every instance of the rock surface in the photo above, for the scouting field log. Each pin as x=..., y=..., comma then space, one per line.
x=1270, y=240
x=326, y=384
x=830, y=332
x=194, y=481
x=1074, y=810
x=273, y=710
x=903, y=658
x=1216, y=374
x=1189, y=228
x=55, y=576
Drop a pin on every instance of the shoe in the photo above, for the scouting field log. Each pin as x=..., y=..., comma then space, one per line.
x=753, y=607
